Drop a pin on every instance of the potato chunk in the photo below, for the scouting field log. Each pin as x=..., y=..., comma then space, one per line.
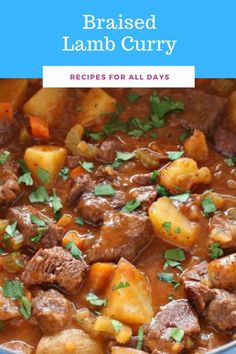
x=94, y=104
x=47, y=157
x=120, y=331
x=196, y=146
x=48, y=104
x=130, y=304
x=182, y=175
x=13, y=91
x=72, y=340
x=123, y=350
x=171, y=225
x=222, y=272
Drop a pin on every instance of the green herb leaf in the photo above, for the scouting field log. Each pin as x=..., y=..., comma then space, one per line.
x=95, y=300
x=104, y=189
x=95, y=136
x=140, y=338
x=26, y=178
x=116, y=325
x=4, y=156
x=184, y=135
x=174, y=155
x=121, y=157
x=131, y=206
x=37, y=221
x=136, y=133
x=25, y=307
x=121, y=285
x=40, y=195
x=74, y=250
x=11, y=228
x=177, y=334
x=43, y=175
x=79, y=220
x=64, y=173
x=181, y=197
x=230, y=161
x=161, y=106
x=167, y=226
x=88, y=166
x=13, y=289
x=208, y=206
x=23, y=166
x=133, y=97
x=56, y=202
x=154, y=175
x=215, y=251
x=162, y=191
x=166, y=277
x=153, y=135
x=174, y=254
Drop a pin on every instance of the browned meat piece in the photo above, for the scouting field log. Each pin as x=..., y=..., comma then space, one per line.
x=221, y=272
x=8, y=308
x=176, y=314
x=143, y=179
x=223, y=231
x=106, y=173
x=9, y=186
x=82, y=183
x=7, y=130
x=108, y=149
x=198, y=294
x=92, y=208
x=201, y=110
x=52, y=236
x=52, y=311
x=19, y=347
x=122, y=235
x=146, y=195
x=221, y=312
x=55, y=266
x=224, y=142
x=197, y=273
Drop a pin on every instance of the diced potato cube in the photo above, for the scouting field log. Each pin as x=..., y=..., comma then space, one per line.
x=86, y=321
x=123, y=350
x=131, y=304
x=95, y=103
x=13, y=91
x=47, y=157
x=222, y=271
x=73, y=138
x=196, y=147
x=216, y=199
x=171, y=225
x=48, y=104
x=183, y=174
x=120, y=331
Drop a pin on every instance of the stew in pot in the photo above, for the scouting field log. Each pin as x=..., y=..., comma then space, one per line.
x=117, y=218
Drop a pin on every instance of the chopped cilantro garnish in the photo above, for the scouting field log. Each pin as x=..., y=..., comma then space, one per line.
x=104, y=189
x=153, y=135
x=56, y=202
x=121, y=157
x=40, y=195
x=154, y=175
x=133, y=97
x=167, y=226
x=88, y=166
x=177, y=334
x=116, y=325
x=4, y=156
x=10, y=229
x=162, y=191
x=95, y=300
x=121, y=285
x=174, y=155
x=208, y=206
x=177, y=230
x=37, y=221
x=42, y=227
x=74, y=250
x=79, y=220
x=43, y=175
x=64, y=173
x=95, y=136
x=181, y=197
x=136, y=133
x=131, y=206
x=230, y=161
x=184, y=135
x=25, y=307
x=140, y=338
x=215, y=251
x=175, y=254
x=166, y=277
x=162, y=105
x=26, y=178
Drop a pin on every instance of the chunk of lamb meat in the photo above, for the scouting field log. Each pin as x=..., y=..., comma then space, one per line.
x=222, y=231
x=176, y=314
x=201, y=110
x=9, y=186
x=198, y=273
x=55, y=266
x=79, y=185
x=52, y=311
x=50, y=237
x=8, y=128
x=93, y=208
x=142, y=179
x=106, y=152
x=145, y=195
x=8, y=308
x=121, y=235
x=221, y=311
x=224, y=142
x=18, y=346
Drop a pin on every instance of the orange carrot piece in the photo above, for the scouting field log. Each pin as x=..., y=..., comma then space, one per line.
x=76, y=171
x=73, y=236
x=6, y=110
x=64, y=220
x=99, y=275
x=39, y=128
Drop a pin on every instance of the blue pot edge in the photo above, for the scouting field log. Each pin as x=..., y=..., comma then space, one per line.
x=225, y=349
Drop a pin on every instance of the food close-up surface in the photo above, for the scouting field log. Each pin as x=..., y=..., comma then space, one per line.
x=117, y=218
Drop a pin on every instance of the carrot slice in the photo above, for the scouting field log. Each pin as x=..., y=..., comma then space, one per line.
x=64, y=220
x=73, y=236
x=6, y=110
x=39, y=128
x=77, y=171
x=99, y=275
